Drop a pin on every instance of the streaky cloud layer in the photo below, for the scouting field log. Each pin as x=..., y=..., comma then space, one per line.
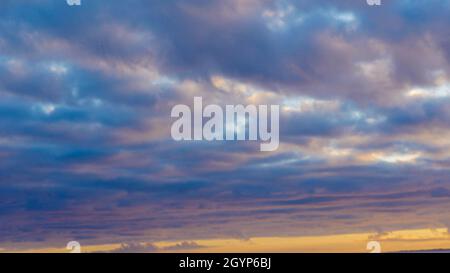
x=86, y=94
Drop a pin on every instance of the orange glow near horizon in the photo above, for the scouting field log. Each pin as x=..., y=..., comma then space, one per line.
x=396, y=241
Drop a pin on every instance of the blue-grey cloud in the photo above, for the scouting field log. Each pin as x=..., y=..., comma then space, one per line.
x=86, y=94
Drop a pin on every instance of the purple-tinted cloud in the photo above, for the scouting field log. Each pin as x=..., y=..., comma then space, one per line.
x=86, y=94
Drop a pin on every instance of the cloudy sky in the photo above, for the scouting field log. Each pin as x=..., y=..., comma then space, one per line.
x=86, y=94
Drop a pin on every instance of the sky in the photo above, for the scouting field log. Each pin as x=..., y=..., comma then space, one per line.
x=86, y=94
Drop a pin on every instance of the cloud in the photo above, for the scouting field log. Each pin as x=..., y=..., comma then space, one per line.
x=86, y=94
x=135, y=248
x=143, y=247
x=183, y=246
